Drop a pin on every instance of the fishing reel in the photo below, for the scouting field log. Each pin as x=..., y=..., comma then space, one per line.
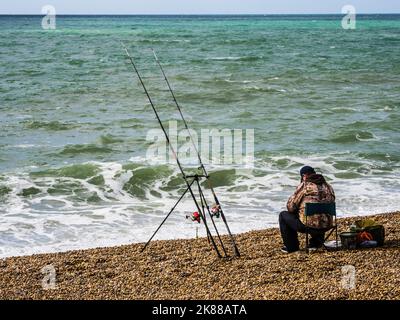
x=195, y=216
x=216, y=211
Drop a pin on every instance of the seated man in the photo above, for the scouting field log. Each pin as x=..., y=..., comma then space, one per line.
x=313, y=188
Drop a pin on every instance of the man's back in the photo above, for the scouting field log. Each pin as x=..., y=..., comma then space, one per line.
x=316, y=190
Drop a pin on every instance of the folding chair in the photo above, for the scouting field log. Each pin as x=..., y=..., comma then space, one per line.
x=319, y=208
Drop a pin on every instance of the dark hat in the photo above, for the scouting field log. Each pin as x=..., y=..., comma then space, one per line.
x=306, y=170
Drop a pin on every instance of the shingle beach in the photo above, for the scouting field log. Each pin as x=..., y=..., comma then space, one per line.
x=190, y=269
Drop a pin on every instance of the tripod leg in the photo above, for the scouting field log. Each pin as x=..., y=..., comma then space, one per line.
x=234, y=246
x=203, y=199
x=203, y=217
x=203, y=204
x=165, y=219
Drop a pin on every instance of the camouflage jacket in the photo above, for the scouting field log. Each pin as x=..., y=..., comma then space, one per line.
x=314, y=189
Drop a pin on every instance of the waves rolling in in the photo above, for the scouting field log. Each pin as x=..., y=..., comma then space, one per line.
x=73, y=171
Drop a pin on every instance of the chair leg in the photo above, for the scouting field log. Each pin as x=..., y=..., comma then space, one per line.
x=336, y=233
x=306, y=235
x=337, y=247
x=336, y=237
x=307, y=242
x=329, y=234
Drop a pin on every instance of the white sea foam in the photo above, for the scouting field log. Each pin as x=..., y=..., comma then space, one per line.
x=55, y=222
x=374, y=137
x=25, y=146
x=225, y=58
x=242, y=81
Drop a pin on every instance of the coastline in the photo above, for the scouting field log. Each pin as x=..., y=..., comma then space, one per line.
x=190, y=269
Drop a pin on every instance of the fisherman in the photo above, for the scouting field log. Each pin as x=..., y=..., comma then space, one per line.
x=312, y=188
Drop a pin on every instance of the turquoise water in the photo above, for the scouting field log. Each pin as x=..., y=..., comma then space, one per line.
x=73, y=166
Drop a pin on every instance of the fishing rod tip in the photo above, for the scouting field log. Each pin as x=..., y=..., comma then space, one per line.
x=154, y=53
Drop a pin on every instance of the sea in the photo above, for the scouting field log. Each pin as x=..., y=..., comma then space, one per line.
x=76, y=126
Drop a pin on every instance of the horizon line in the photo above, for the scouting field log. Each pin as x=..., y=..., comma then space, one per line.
x=194, y=14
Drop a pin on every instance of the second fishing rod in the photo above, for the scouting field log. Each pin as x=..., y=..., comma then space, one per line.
x=217, y=202
x=185, y=177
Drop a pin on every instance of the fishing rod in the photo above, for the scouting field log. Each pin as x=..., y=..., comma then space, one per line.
x=204, y=201
x=234, y=246
x=189, y=185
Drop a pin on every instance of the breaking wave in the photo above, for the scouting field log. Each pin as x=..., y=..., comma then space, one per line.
x=101, y=204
